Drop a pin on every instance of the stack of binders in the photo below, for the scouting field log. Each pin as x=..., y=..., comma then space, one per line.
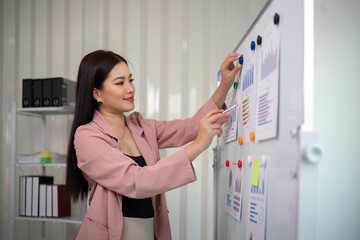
x=48, y=92
x=40, y=197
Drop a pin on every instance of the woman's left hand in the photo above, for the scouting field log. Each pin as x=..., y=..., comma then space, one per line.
x=228, y=70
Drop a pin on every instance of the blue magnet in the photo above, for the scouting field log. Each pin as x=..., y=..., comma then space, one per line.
x=241, y=60
x=252, y=46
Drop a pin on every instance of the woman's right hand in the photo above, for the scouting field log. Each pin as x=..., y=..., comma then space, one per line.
x=210, y=125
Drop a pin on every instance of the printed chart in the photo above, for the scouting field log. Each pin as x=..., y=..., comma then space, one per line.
x=234, y=191
x=257, y=209
x=247, y=113
x=230, y=127
x=268, y=84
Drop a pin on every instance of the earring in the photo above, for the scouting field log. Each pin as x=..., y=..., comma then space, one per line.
x=98, y=100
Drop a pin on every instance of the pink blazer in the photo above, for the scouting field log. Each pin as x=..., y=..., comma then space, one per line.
x=111, y=174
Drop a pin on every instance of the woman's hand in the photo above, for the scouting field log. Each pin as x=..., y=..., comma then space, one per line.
x=228, y=72
x=210, y=125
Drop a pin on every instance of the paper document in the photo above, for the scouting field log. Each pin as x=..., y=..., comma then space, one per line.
x=234, y=190
x=230, y=127
x=257, y=209
x=247, y=112
x=268, y=84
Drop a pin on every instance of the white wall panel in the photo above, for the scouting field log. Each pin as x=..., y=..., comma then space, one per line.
x=174, y=52
x=57, y=38
x=114, y=25
x=24, y=56
x=1, y=111
x=132, y=34
x=153, y=57
x=76, y=37
x=24, y=39
x=194, y=95
x=90, y=26
x=132, y=37
x=195, y=50
x=101, y=24
x=164, y=60
x=206, y=185
x=216, y=38
x=185, y=88
x=41, y=62
x=174, y=78
x=8, y=15
x=143, y=58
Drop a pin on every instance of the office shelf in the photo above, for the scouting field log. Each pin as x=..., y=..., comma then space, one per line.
x=54, y=165
x=39, y=113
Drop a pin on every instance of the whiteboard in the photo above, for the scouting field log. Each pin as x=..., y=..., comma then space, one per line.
x=283, y=151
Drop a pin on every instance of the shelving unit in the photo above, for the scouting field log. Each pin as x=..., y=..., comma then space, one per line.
x=40, y=113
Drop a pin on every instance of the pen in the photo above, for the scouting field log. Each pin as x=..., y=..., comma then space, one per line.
x=225, y=111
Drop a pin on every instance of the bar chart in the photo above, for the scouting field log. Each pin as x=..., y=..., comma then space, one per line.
x=237, y=185
x=248, y=78
x=236, y=203
x=253, y=216
x=269, y=62
x=259, y=189
x=264, y=109
x=246, y=110
x=230, y=179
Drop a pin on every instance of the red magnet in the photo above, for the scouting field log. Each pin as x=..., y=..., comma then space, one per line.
x=239, y=163
x=227, y=163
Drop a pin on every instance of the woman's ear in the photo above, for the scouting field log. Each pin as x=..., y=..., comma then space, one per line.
x=96, y=95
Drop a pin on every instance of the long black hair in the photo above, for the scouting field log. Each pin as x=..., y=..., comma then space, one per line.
x=93, y=70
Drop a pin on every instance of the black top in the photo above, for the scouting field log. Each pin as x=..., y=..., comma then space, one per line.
x=137, y=208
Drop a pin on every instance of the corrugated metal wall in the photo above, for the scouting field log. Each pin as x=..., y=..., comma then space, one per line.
x=175, y=49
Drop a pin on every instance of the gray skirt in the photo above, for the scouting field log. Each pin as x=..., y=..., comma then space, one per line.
x=138, y=228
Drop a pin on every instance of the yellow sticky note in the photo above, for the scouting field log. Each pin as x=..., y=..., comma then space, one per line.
x=255, y=175
x=45, y=157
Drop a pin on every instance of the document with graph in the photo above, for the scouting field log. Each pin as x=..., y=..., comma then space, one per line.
x=256, y=216
x=247, y=111
x=234, y=190
x=268, y=84
x=230, y=127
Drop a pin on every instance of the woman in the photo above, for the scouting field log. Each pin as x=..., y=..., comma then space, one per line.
x=117, y=157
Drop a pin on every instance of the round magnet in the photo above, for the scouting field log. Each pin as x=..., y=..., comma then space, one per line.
x=235, y=85
x=252, y=46
x=241, y=60
x=252, y=136
x=240, y=140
